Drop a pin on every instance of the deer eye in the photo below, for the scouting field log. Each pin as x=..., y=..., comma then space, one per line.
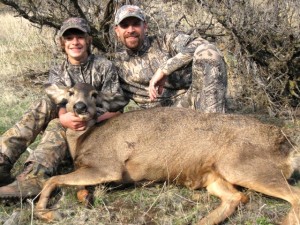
x=94, y=95
x=71, y=92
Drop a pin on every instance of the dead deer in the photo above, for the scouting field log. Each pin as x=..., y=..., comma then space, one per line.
x=214, y=151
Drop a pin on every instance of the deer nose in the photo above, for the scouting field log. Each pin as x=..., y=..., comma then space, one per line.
x=80, y=108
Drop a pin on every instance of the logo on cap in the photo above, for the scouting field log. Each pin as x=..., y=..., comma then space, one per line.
x=129, y=11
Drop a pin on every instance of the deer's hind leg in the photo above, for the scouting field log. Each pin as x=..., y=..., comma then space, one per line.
x=270, y=180
x=294, y=198
x=278, y=187
x=230, y=199
x=80, y=177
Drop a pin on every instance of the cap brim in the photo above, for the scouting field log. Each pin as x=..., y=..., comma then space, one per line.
x=127, y=16
x=73, y=27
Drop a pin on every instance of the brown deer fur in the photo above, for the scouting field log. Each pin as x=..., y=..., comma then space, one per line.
x=214, y=151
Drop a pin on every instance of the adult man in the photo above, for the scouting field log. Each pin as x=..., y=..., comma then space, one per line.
x=176, y=70
x=79, y=65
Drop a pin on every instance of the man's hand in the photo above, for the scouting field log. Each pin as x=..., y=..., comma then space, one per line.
x=71, y=121
x=156, y=84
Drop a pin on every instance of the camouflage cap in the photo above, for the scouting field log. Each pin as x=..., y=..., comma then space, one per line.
x=129, y=11
x=75, y=23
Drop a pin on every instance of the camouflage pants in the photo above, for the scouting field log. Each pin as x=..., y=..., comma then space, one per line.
x=52, y=148
x=207, y=92
x=40, y=117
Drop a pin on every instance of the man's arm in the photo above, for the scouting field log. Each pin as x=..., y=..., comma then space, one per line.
x=156, y=84
x=181, y=47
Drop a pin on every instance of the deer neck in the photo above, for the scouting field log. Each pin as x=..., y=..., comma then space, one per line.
x=75, y=138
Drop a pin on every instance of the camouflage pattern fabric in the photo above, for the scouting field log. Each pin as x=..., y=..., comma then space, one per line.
x=98, y=71
x=129, y=11
x=197, y=72
x=15, y=140
x=74, y=23
x=52, y=149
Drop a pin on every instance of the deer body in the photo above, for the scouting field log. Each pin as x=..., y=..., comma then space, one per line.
x=186, y=147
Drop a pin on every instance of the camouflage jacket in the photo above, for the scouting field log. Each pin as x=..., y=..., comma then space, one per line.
x=173, y=54
x=98, y=71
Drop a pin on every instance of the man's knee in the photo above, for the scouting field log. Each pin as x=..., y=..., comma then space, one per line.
x=208, y=52
x=208, y=66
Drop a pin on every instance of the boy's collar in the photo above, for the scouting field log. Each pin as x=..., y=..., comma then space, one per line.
x=90, y=56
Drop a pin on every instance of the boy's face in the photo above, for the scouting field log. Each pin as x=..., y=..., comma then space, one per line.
x=76, y=46
x=131, y=32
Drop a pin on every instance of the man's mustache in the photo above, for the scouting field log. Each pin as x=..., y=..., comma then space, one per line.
x=131, y=35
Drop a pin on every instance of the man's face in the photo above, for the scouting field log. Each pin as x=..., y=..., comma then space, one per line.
x=131, y=32
x=76, y=46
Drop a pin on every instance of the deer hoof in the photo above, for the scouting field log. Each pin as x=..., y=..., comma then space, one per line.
x=48, y=215
x=85, y=198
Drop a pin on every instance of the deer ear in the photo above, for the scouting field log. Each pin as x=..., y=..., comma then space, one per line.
x=110, y=102
x=102, y=101
x=57, y=93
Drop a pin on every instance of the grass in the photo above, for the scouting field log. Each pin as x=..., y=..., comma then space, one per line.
x=158, y=204
x=22, y=45
x=25, y=50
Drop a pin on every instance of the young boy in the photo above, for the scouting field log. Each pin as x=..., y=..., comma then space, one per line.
x=79, y=65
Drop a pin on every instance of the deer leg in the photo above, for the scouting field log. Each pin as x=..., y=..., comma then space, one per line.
x=80, y=177
x=230, y=199
x=85, y=197
x=293, y=196
x=280, y=188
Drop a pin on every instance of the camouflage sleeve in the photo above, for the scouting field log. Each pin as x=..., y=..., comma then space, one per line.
x=55, y=74
x=111, y=88
x=181, y=47
x=55, y=77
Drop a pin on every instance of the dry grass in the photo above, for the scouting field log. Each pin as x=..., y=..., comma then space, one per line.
x=158, y=204
x=23, y=46
x=24, y=49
